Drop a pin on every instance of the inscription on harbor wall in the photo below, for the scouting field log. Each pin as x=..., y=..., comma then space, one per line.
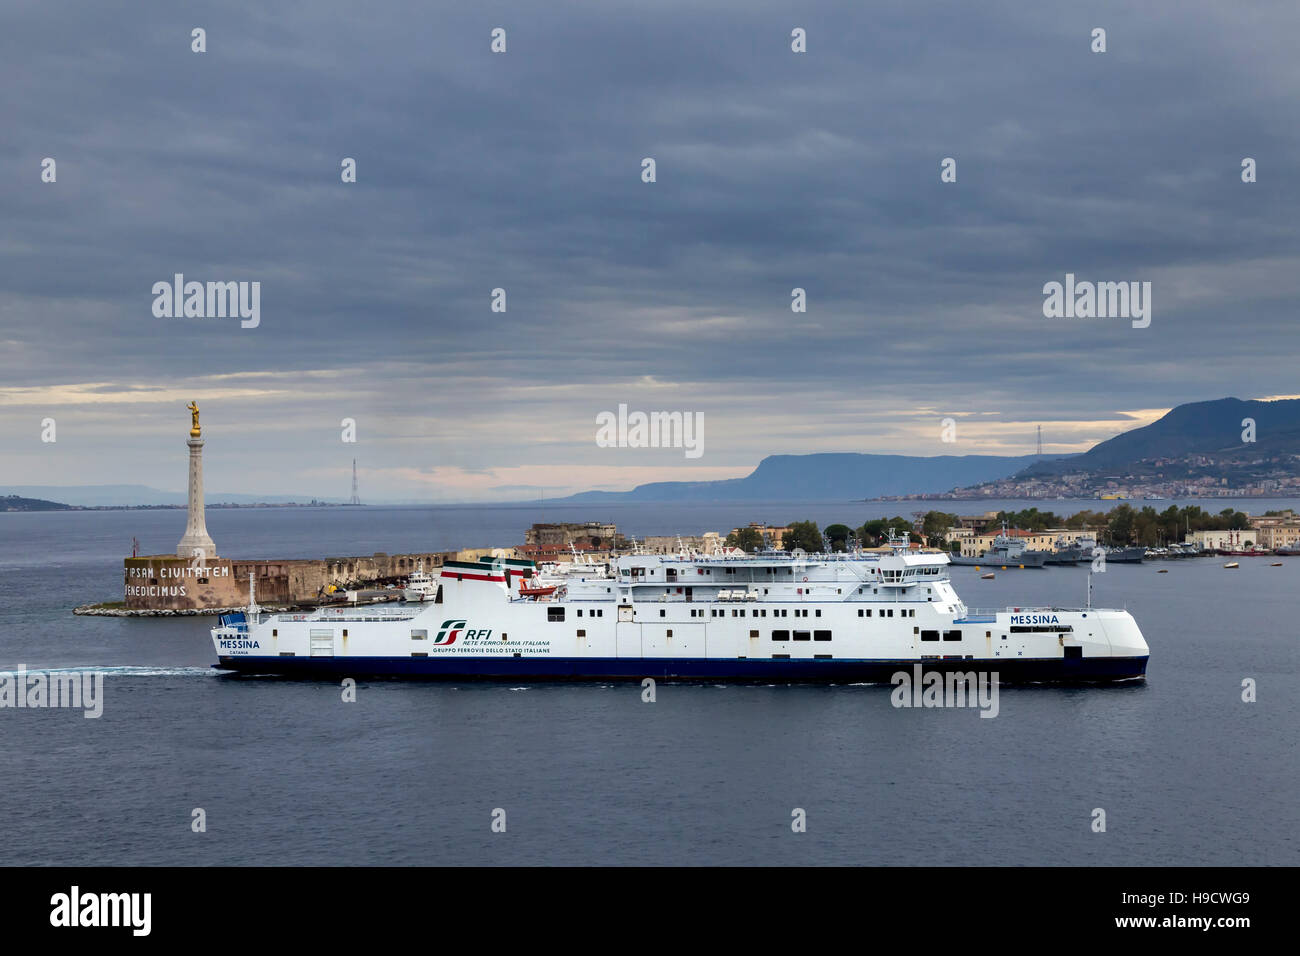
x=175, y=583
x=167, y=582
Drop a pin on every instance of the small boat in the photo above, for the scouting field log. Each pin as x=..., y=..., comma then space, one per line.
x=1231, y=564
x=1276, y=564
x=538, y=591
x=420, y=586
x=987, y=577
x=1163, y=571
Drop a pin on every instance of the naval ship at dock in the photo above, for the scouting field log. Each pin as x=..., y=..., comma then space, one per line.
x=1006, y=552
x=770, y=617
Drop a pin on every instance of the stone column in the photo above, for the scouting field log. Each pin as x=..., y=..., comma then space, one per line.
x=196, y=529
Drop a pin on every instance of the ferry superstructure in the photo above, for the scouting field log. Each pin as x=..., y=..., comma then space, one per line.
x=765, y=617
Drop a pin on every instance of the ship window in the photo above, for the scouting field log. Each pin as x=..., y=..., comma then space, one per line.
x=818, y=613
x=579, y=612
x=916, y=630
x=286, y=653
x=822, y=657
x=601, y=613
x=802, y=636
x=753, y=633
x=668, y=632
x=275, y=632
x=860, y=614
x=419, y=635
x=419, y=653
x=345, y=632
x=581, y=632
x=929, y=635
x=555, y=614
x=952, y=635
x=663, y=613
x=780, y=635
x=780, y=657
x=821, y=635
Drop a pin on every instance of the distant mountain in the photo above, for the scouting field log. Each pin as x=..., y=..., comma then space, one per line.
x=117, y=496
x=15, y=503
x=1211, y=428
x=828, y=477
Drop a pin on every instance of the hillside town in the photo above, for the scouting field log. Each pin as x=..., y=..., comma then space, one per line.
x=1191, y=476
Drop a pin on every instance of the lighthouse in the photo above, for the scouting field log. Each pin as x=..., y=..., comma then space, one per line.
x=196, y=542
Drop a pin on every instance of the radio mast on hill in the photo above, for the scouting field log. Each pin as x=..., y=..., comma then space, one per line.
x=356, y=499
x=1040, y=452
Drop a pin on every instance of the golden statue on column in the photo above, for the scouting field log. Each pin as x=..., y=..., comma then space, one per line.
x=194, y=414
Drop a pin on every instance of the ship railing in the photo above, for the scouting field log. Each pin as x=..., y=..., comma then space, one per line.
x=783, y=557
x=372, y=616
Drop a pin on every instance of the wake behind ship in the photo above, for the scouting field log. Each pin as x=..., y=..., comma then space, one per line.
x=766, y=617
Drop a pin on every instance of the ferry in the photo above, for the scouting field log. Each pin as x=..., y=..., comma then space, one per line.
x=767, y=617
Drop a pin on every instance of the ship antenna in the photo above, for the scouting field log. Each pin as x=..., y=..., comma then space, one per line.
x=1089, y=589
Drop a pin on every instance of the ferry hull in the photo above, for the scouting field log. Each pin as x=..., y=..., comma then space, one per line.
x=1080, y=670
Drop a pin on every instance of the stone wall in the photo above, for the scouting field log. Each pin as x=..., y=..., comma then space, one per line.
x=167, y=582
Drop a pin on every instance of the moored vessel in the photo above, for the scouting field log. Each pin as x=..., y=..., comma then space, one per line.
x=1006, y=552
x=420, y=586
x=1126, y=555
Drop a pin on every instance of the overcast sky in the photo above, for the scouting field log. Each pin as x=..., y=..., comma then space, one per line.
x=522, y=170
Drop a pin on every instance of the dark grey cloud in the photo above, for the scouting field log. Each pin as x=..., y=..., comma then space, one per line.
x=521, y=170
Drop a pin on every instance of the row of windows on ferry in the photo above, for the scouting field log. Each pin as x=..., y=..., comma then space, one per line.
x=886, y=575
x=556, y=612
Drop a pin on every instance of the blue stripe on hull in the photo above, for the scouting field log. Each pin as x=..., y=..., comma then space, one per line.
x=1020, y=670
